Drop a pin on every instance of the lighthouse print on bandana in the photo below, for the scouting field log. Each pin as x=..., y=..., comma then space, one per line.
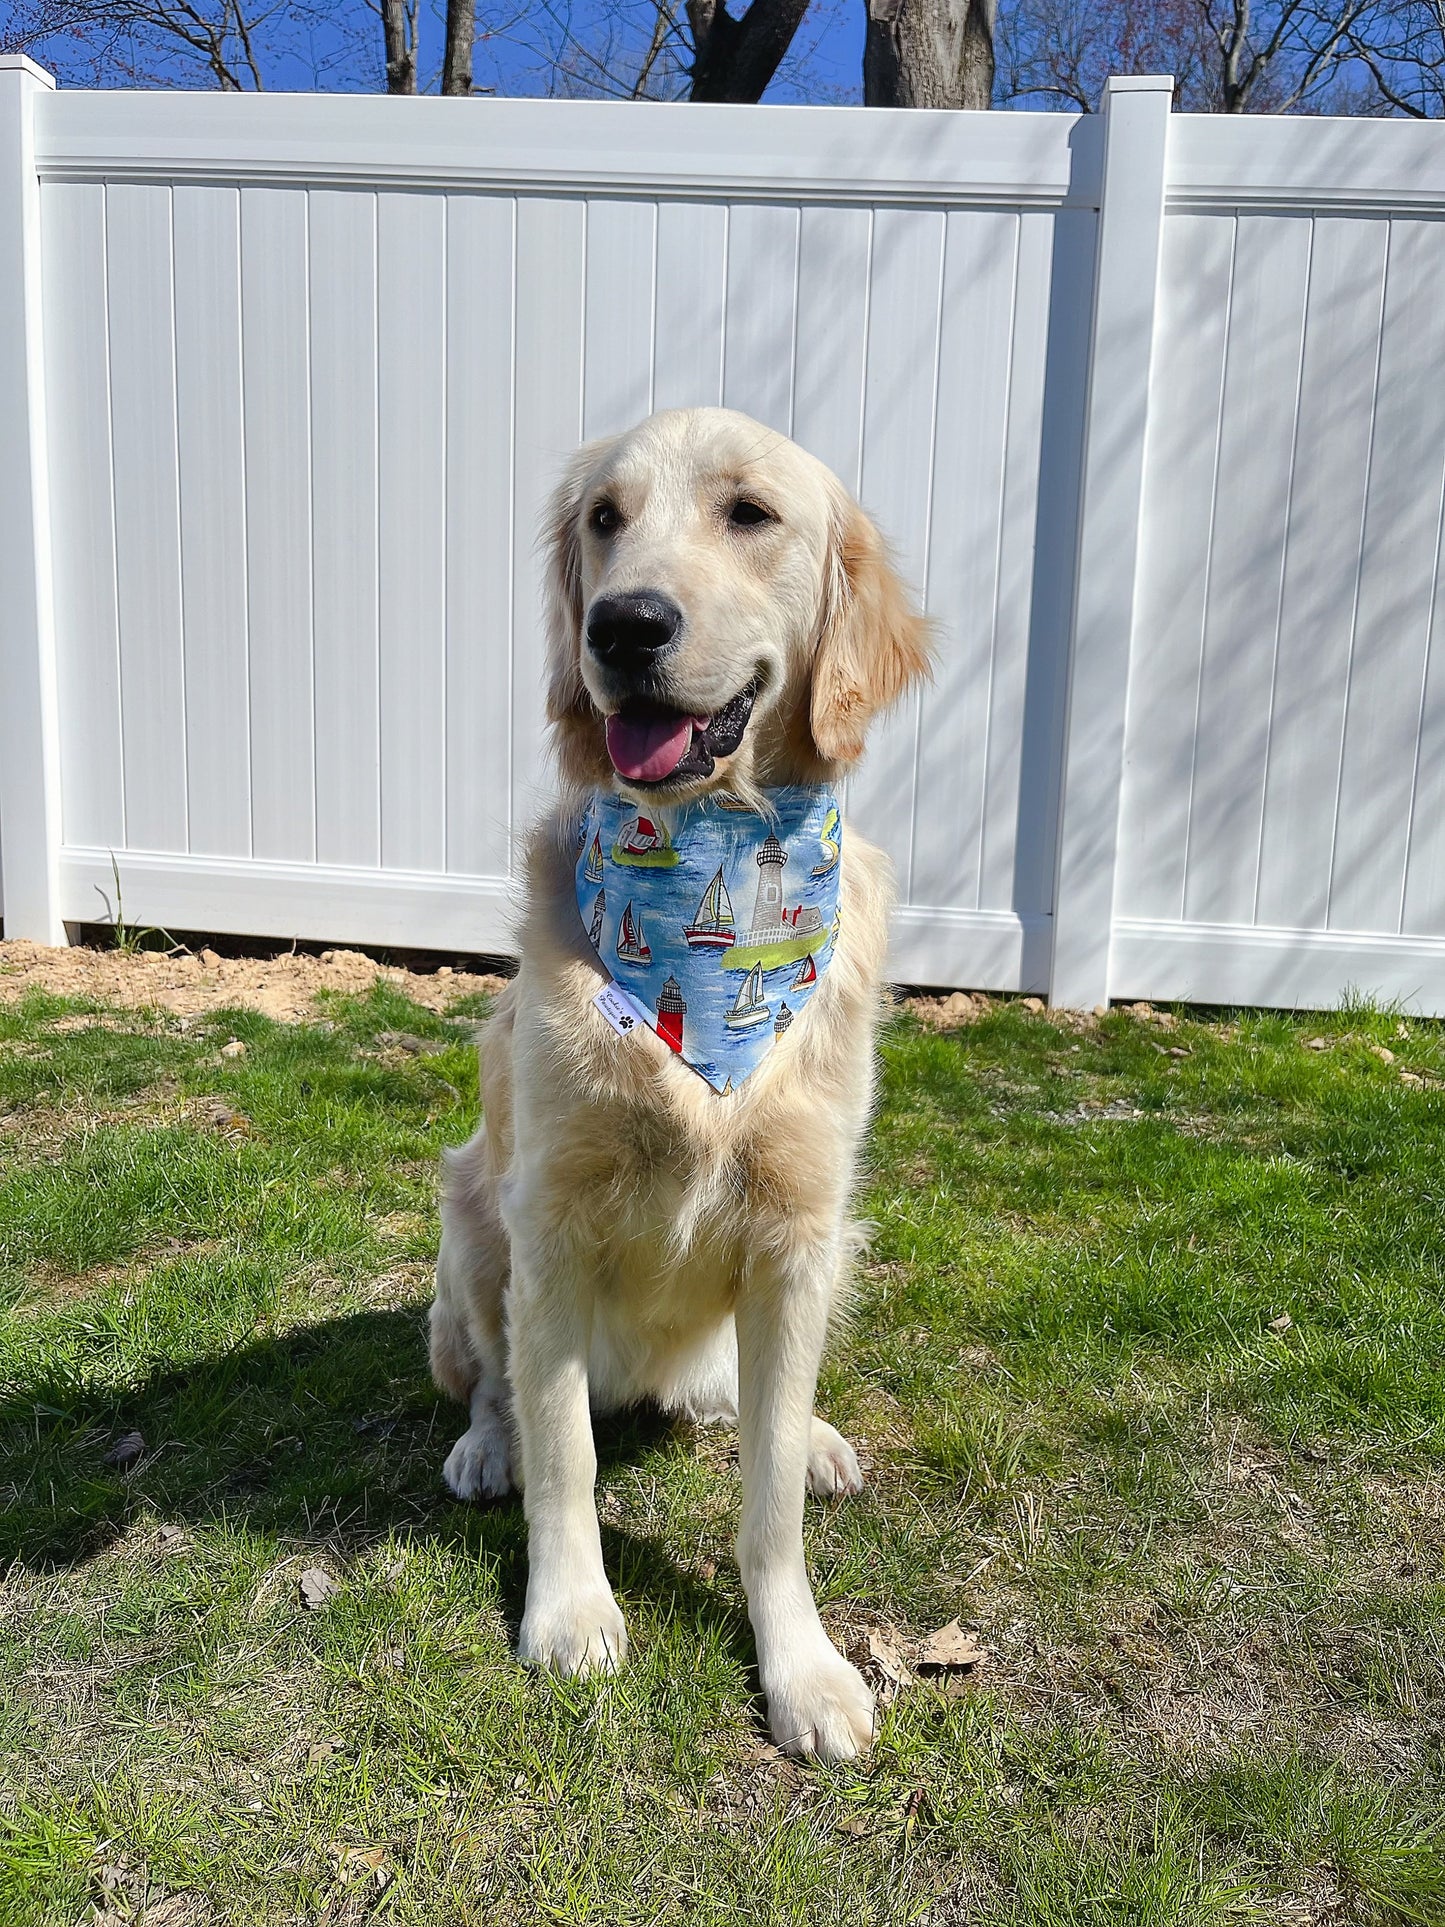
x=718, y=923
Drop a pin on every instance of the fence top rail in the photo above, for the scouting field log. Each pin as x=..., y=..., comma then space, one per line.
x=681, y=150
x=1298, y=161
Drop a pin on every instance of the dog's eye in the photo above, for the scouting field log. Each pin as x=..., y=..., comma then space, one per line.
x=604, y=518
x=747, y=515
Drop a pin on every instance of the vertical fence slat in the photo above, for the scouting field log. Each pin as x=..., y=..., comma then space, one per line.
x=140, y=279
x=276, y=373
x=1186, y=390
x=1251, y=509
x=1322, y=570
x=900, y=402
x=762, y=291
x=481, y=298
x=411, y=431
x=346, y=523
x=77, y=405
x=1397, y=570
x=1136, y=132
x=692, y=256
x=29, y=722
x=961, y=578
x=210, y=442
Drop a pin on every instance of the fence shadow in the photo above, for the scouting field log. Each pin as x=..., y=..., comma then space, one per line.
x=329, y=1436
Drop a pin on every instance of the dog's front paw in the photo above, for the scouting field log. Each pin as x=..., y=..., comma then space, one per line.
x=574, y=1633
x=820, y=1707
x=833, y=1468
x=479, y=1465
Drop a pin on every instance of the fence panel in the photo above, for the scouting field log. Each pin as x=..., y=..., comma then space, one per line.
x=1280, y=779
x=341, y=355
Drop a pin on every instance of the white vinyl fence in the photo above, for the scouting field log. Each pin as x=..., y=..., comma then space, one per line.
x=1152, y=407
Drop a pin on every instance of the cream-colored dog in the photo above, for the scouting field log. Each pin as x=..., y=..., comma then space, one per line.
x=722, y=617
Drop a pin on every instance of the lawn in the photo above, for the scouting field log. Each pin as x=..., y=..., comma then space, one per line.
x=1147, y=1373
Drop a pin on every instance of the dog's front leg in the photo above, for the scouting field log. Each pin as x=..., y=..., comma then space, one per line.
x=571, y=1621
x=817, y=1703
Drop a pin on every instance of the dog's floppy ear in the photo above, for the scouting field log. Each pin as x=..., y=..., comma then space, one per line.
x=562, y=545
x=872, y=643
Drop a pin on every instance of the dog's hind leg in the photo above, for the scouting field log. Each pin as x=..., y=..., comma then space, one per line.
x=468, y=1347
x=833, y=1468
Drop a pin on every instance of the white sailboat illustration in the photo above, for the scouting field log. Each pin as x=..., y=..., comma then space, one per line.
x=713, y=928
x=751, y=1006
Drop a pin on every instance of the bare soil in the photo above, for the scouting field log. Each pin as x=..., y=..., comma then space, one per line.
x=188, y=982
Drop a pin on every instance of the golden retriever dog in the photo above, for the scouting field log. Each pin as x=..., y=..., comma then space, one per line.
x=723, y=620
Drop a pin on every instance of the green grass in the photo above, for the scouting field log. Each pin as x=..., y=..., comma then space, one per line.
x=1208, y=1555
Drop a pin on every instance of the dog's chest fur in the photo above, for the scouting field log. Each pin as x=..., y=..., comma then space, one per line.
x=676, y=1194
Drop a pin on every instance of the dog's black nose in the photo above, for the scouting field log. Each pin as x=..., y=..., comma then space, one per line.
x=630, y=632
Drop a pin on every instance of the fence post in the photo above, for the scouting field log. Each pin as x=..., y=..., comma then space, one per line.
x=1126, y=275
x=29, y=725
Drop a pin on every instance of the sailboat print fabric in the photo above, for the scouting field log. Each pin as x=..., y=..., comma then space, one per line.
x=718, y=924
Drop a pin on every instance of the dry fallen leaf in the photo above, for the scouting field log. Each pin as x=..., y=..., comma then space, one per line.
x=127, y=1451
x=879, y=1657
x=951, y=1650
x=317, y=1586
x=361, y=1863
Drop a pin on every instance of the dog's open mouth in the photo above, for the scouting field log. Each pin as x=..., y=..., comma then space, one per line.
x=650, y=743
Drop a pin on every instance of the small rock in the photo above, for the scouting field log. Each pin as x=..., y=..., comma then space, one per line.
x=127, y=1451
x=1179, y=1050
x=234, y=1049
x=1317, y=1043
x=1034, y=1004
x=1385, y=1055
x=316, y=1587
x=404, y=1040
x=1101, y=1010
x=222, y=1117
x=168, y=1537
x=210, y=959
x=445, y=970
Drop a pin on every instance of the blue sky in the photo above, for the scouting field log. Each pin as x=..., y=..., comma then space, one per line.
x=338, y=46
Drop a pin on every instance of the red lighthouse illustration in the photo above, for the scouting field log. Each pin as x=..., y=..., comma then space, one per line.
x=670, y=1012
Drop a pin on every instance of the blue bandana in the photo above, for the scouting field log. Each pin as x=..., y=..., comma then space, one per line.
x=717, y=924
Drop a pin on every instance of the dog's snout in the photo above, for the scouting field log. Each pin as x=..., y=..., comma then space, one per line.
x=630, y=632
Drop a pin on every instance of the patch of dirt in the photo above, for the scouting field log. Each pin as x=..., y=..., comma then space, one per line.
x=189, y=984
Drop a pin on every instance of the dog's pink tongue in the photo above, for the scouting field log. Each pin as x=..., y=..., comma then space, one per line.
x=647, y=748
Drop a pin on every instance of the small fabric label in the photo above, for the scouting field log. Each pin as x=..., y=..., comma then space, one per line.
x=619, y=1009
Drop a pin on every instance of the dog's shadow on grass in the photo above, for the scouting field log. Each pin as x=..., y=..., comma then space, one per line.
x=330, y=1436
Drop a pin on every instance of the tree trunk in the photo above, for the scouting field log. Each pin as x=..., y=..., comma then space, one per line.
x=457, y=60
x=929, y=53
x=735, y=59
x=398, y=25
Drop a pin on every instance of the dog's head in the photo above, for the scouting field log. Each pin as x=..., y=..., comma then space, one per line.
x=722, y=614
